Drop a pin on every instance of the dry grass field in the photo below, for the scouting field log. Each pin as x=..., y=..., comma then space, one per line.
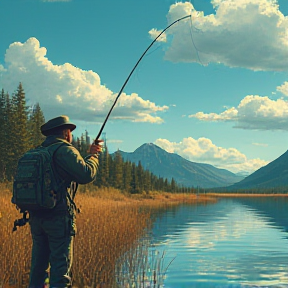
x=109, y=228
x=109, y=225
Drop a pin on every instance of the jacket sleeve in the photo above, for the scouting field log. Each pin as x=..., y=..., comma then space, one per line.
x=72, y=167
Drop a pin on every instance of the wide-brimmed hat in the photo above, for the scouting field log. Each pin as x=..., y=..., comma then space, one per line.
x=61, y=121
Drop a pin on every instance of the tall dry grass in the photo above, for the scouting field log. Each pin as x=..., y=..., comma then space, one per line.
x=108, y=232
x=15, y=249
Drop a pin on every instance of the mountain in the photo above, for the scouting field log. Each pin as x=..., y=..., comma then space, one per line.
x=274, y=174
x=184, y=172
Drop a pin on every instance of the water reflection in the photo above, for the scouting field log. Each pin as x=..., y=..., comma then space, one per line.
x=233, y=242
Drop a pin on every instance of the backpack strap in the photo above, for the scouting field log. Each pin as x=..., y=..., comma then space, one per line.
x=73, y=190
x=52, y=150
x=73, y=185
x=54, y=147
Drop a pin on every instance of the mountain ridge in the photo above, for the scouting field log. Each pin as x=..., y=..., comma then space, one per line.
x=272, y=175
x=184, y=172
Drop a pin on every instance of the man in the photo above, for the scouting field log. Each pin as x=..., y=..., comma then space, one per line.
x=53, y=229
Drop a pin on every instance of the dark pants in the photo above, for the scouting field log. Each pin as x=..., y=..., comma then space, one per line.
x=52, y=244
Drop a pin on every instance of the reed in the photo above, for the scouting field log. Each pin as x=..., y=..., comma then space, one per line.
x=142, y=266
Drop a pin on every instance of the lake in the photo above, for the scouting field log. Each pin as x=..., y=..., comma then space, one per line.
x=236, y=242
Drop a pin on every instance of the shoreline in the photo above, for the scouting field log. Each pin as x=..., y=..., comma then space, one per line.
x=246, y=195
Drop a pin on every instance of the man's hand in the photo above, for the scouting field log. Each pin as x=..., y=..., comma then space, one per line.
x=96, y=147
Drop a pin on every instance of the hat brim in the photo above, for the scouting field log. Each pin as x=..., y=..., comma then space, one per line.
x=64, y=126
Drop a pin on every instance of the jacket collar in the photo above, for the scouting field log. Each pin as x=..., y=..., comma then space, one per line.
x=51, y=139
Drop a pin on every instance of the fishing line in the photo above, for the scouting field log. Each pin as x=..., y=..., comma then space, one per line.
x=198, y=56
x=126, y=81
x=148, y=54
x=197, y=50
x=153, y=50
x=139, y=68
x=193, y=42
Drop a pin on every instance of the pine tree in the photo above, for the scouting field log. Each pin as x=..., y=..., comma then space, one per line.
x=134, y=181
x=118, y=170
x=140, y=176
x=74, y=141
x=127, y=176
x=147, y=181
x=154, y=183
x=20, y=121
x=110, y=170
x=9, y=128
x=160, y=185
x=2, y=135
x=82, y=147
x=166, y=185
x=102, y=178
x=173, y=185
x=78, y=144
x=20, y=135
x=36, y=120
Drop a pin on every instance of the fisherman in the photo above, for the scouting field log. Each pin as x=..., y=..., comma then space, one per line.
x=53, y=230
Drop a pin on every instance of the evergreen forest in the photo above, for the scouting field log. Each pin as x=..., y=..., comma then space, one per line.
x=20, y=131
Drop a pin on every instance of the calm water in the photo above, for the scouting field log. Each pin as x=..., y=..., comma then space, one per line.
x=233, y=243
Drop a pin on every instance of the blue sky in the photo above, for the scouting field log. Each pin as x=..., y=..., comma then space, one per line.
x=213, y=90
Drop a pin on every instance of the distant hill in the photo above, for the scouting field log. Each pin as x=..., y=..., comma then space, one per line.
x=274, y=174
x=184, y=172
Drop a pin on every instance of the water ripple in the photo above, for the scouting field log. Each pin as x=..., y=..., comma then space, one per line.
x=227, y=244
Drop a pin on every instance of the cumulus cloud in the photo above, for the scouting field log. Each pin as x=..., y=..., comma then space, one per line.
x=253, y=112
x=283, y=88
x=242, y=33
x=66, y=89
x=154, y=33
x=203, y=150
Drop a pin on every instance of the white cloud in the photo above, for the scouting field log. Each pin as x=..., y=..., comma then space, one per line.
x=154, y=33
x=260, y=144
x=2, y=69
x=114, y=141
x=202, y=150
x=243, y=33
x=253, y=112
x=56, y=0
x=283, y=88
x=66, y=89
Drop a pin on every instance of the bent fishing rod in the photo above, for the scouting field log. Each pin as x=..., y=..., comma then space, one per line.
x=126, y=81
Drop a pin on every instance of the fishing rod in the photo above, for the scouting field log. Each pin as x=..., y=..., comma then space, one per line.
x=126, y=81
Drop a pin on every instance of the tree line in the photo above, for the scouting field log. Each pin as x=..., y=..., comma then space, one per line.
x=20, y=131
x=126, y=175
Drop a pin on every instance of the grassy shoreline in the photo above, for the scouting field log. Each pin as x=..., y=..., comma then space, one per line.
x=110, y=224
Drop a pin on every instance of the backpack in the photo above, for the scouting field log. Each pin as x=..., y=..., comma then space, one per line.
x=35, y=184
